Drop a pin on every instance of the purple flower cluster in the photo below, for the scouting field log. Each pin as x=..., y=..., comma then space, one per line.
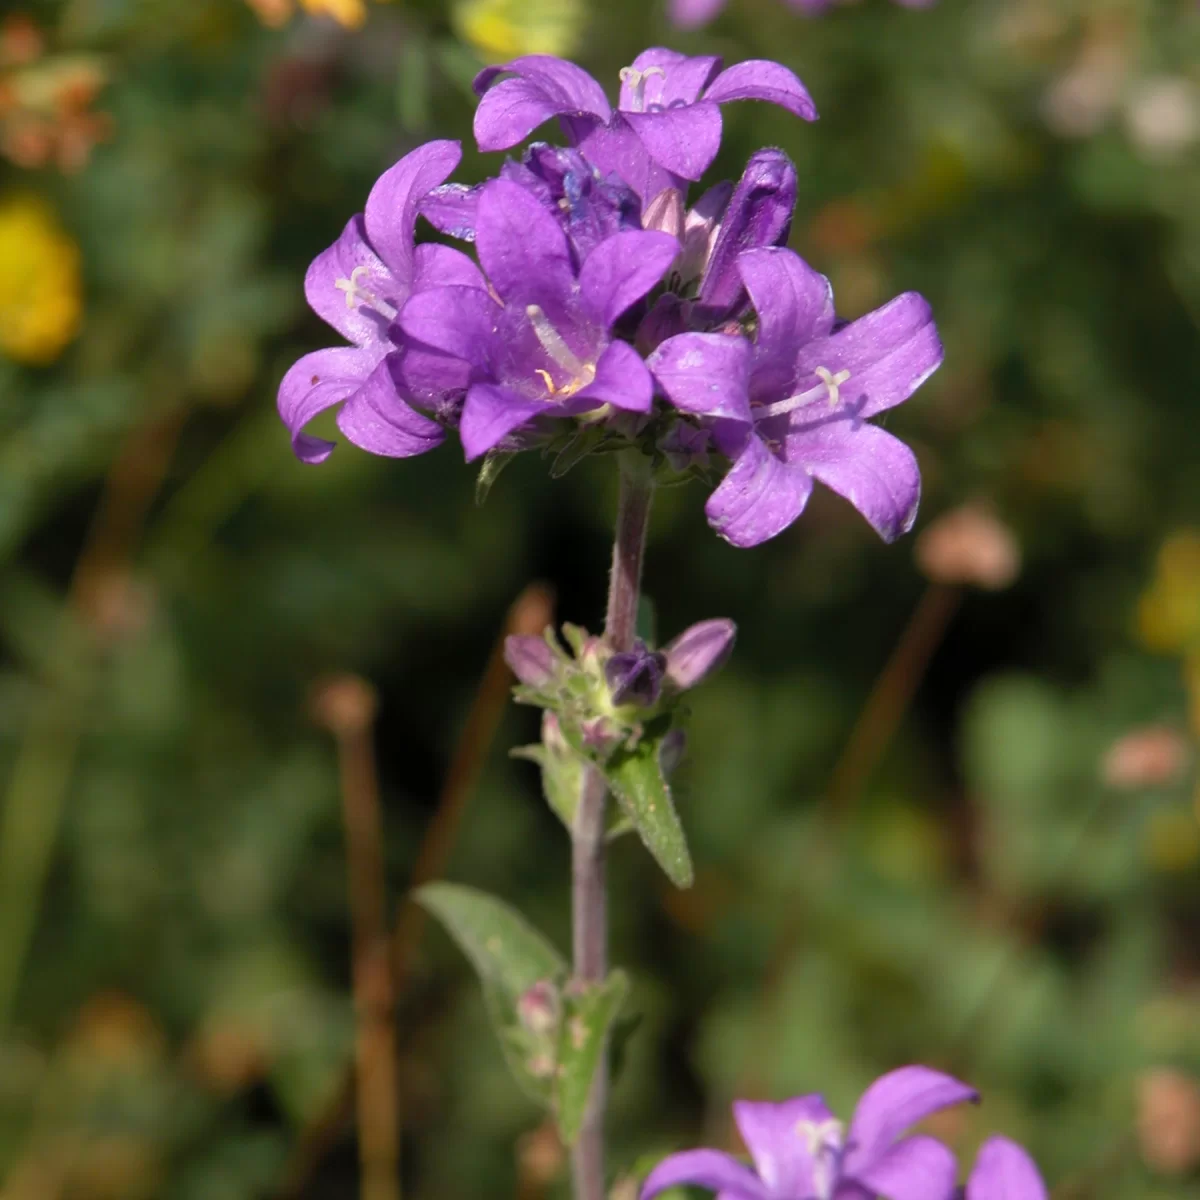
x=800, y=1151
x=602, y=306
x=693, y=14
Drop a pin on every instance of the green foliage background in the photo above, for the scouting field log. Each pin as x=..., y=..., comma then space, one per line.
x=988, y=905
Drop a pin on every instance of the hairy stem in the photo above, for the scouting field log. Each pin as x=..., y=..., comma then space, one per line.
x=588, y=898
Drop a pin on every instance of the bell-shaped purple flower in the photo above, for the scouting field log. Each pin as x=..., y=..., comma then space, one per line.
x=1004, y=1171
x=668, y=119
x=801, y=1152
x=795, y=405
x=589, y=206
x=540, y=344
x=636, y=676
x=698, y=652
x=359, y=286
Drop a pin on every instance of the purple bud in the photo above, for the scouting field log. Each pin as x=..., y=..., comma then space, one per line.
x=530, y=659
x=600, y=735
x=698, y=652
x=759, y=214
x=664, y=213
x=665, y=319
x=538, y=1008
x=672, y=750
x=635, y=676
x=701, y=228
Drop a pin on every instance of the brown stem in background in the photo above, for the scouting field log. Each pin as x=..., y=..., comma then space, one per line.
x=33, y=802
x=347, y=706
x=890, y=697
x=532, y=611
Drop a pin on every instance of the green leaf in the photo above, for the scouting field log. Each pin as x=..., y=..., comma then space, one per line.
x=636, y=780
x=502, y=946
x=575, y=451
x=588, y=1014
x=493, y=463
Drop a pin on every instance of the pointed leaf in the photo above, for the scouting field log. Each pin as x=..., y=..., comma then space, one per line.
x=502, y=946
x=493, y=463
x=577, y=448
x=636, y=780
x=588, y=1014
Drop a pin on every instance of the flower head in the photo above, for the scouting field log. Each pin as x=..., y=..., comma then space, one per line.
x=802, y=1152
x=794, y=405
x=667, y=124
x=540, y=343
x=359, y=286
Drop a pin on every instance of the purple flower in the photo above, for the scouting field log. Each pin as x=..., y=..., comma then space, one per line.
x=801, y=1152
x=693, y=14
x=698, y=652
x=543, y=347
x=636, y=676
x=588, y=205
x=667, y=126
x=359, y=285
x=530, y=659
x=1004, y=1171
x=794, y=405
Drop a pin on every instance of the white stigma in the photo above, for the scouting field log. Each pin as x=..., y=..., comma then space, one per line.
x=637, y=83
x=824, y=1140
x=551, y=341
x=831, y=382
x=356, y=293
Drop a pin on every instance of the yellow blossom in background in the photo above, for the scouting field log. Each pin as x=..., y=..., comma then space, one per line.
x=503, y=29
x=40, y=290
x=349, y=13
x=1168, y=616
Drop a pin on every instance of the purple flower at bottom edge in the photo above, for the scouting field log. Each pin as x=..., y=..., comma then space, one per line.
x=667, y=127
x=694, y=14
x=544, y=348
x=1004, y=1171
x=358, y=286
x=794, y=405
x=801, y=1152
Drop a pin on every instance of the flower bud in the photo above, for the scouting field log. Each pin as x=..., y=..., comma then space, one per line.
x=635, y=676
x=759, y=214
x=698, y=652
x=530, y=659
x=701, y=227
x=664, y=214
x=538, y=1008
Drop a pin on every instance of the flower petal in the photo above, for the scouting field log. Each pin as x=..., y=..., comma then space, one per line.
x=458, y=321
x=705, y=373
x=684, y=140
x=317, y=382
x=443, y=266
x=760, y=497
x=376, y=419
x=391, y=212
x=672, y=79
x=622, y=380
x=544, y=87
x=491, y=413
x=879, y=477
x=621, y=270
x=794, y=304
x=915, y=1168
x=614, y=149
x=889, y=353
x=758, y=79
x=450, y=209
x=1004, y=1171
x=522, y=248
x=775, y=1136
x=707, y=1169
x=336, y=305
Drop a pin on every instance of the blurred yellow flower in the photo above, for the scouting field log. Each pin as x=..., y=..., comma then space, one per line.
x=1168, y=616
x=1172, y=840
x=350, y=13
x=503, y=29
x=40, y=290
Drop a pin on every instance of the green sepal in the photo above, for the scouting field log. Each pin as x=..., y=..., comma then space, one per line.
x=588, y=1014
x=576, y=449
x=510, y=957
x=493, y=463
x=636, y=779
